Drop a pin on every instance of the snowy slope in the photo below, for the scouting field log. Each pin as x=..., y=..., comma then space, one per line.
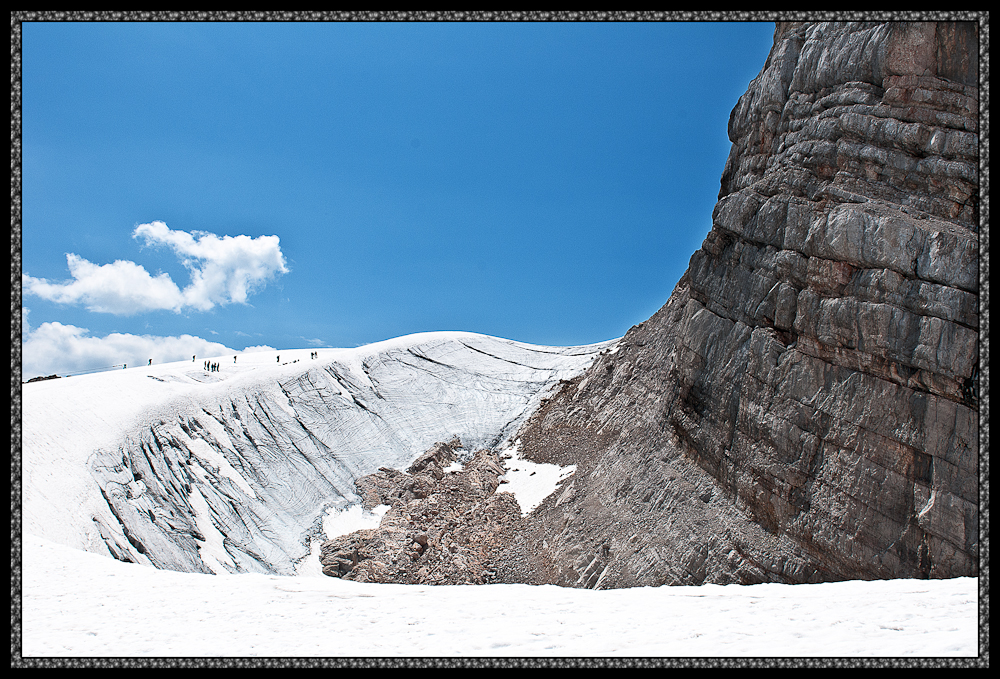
x=235, y=470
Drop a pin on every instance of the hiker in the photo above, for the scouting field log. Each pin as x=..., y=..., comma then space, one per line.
x=150, y=362
x=279, y=358
x=234, y=359
x=192, y=358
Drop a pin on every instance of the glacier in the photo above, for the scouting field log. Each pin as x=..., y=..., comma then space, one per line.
x=237, y=470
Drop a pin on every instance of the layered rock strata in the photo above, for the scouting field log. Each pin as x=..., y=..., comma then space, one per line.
x=805, y=406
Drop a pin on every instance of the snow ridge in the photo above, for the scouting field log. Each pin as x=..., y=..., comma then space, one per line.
x=234, y=470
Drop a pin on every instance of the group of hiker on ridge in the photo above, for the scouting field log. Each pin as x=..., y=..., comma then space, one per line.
x=214, y=367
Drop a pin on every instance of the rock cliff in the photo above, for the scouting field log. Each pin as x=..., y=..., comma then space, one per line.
x=805, y=405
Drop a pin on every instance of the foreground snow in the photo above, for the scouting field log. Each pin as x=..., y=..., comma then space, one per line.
x=77, y=604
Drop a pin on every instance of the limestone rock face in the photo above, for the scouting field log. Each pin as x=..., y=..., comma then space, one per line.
x=805, y=406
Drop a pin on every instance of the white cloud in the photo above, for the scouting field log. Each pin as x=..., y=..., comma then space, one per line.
x=258, y=349
x=55, y=348
x=223, y=270
x=122, y=288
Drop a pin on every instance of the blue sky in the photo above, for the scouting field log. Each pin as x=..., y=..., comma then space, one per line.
x=544, y=182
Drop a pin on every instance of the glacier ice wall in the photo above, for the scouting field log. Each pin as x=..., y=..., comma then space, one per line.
x=198, y=471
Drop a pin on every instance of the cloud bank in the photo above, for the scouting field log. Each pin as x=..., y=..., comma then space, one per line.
x=223, y=270
x=57, y=349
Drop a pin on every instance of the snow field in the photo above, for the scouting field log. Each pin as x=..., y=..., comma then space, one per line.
x=77, y=604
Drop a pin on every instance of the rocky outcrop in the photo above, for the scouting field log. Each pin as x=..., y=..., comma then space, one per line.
x=42, y=379
x=445, y=522
x=805, y=406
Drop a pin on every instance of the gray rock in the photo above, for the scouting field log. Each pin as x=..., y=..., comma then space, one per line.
x=804, y=407
x=441, y=528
